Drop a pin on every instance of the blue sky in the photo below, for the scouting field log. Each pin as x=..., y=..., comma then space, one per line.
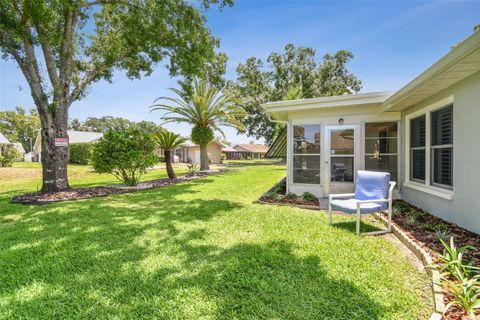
x=393, y=41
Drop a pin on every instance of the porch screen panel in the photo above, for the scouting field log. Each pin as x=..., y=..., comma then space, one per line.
x=381, y=148
x=442, y=147
x=306, y=154
x=417, y=148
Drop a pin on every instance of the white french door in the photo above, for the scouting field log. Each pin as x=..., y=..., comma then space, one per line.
x=342, y=158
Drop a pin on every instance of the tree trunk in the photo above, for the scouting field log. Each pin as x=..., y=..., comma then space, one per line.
x=54, y=158
x=204, y=158
x=168, y=162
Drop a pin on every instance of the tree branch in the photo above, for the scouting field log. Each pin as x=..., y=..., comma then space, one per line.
x=66, y=51
x=89, y=76
x=49, y=58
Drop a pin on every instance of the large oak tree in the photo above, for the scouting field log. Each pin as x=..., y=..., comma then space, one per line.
x=63, y=46
x=295, y=68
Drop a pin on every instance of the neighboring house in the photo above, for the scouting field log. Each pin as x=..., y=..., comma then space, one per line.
x=73, y=137
x=19, y=147
x=424, y=134
x=3, y=139
x=190, y=152
x=246, y=151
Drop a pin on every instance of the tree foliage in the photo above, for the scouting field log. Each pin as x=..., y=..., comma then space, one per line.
x=103, y=124
x=126, y=154
x=8, y=155
x=206, y=109
x=295, y=68
x=62, y=47
x=20, y=126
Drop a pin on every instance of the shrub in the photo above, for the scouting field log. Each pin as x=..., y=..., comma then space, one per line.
x=126, y=154
x=80, y=152
x=307, y=196
x=452, y=262
x=249, y=158
x=8, y=155
x=291, y=195
x=223, y=157
x=160, y=158
x=280, y=187
x=442, y=235
x=192, y=169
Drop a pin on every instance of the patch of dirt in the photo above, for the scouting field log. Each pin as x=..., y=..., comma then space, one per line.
x=39, y=198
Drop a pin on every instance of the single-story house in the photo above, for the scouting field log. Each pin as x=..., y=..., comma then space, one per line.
x=190, y=152
x=246, y=151
x=73, y=137
x=3, y=139
x=19, y=147
x=424, y=134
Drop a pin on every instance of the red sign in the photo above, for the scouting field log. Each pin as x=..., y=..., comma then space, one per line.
x=61, y=142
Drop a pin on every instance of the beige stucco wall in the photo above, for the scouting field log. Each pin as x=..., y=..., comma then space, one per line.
x=463, y=208
x=214, y=149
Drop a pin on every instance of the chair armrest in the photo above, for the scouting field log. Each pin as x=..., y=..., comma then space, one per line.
x=360, y=202
x=341, y=195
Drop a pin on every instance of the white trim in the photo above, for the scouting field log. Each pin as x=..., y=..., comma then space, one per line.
x=427, y=187
x=438, y=192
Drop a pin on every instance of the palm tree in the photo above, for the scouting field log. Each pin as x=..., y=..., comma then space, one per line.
x=206, y=109
x=168, y=141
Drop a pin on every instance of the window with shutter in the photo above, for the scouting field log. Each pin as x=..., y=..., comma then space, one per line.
x=442, y=147
x=417, y=148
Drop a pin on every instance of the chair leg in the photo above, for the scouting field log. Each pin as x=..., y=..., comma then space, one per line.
x=329, y=213
x=358, y=220
x=389, y=225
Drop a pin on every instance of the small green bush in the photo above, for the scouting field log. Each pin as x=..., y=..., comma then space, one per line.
x=80, y=152
x=160, y=158
x=291, y=195
x=249, y=158
x=223, y=157
x=126, y=154
x=307, y=196
x=280, y=187
x=8, y=155
x=192, y=169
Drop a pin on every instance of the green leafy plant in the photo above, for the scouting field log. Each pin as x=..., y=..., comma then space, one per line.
x=126, y=154
x=442, y=234
x=411, y=220
x=223, y=157
x=451, y=261
x=434, y=227
x=192, y=169
x=414, y=216
x=8, y=155
x=280, y=187
x=80, y=152
x=466, y=293
x=249, y=158
x=307, y=196
x=400, y=206
x=291, y=195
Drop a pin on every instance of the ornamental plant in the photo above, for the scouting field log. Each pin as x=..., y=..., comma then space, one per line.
x=126, y=154
x=168, y=141
x=206, y=109
x=8, y=155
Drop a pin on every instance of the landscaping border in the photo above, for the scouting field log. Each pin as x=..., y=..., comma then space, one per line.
x=82, y=193
x=424, y=256
x=301, y=206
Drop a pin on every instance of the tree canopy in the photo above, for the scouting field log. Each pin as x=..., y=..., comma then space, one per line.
x=296, y=68
x=103, y=124
x=20, y=126
x=63, y=46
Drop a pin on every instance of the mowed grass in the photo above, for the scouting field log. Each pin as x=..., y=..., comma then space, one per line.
x=199, y=250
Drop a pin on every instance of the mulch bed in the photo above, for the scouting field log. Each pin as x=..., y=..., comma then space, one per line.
x=39, y=198
x=428, y=240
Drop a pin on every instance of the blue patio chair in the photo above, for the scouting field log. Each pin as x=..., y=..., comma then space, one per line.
x=373, y=193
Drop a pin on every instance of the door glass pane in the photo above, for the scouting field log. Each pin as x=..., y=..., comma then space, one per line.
x=442, y=166
x=342, y=142
x=418, y=165
x=306, y=139
x=306, y=169
x=381, y=145
x=341, y=169
x=382, y=163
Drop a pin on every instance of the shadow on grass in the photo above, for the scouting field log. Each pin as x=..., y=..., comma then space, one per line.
x=351, y=225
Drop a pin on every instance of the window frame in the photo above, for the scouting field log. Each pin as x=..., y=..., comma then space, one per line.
x=427, y=186
x=412, y=149
x=440, y=146
x=293, y=154
x=398, y=154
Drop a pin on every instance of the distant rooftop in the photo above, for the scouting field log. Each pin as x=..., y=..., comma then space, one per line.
x=250, y=147
x=83, y=136
x=3, y=140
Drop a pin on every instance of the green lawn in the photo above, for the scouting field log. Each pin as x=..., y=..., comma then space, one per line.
x=203, y=249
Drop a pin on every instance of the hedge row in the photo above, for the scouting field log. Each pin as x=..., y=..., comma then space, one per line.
x=80, y=152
